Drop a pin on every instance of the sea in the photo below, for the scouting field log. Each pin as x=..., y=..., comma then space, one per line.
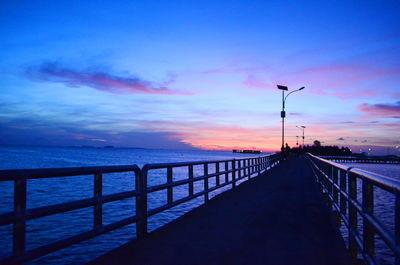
x=42, y=192
x=50, y=191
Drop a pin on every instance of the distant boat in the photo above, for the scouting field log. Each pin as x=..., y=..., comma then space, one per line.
x=247, y=151
x=108, y=146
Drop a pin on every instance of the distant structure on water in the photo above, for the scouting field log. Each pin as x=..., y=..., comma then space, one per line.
x=247, y=151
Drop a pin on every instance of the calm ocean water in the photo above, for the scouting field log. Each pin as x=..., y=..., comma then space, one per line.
x=41, y=192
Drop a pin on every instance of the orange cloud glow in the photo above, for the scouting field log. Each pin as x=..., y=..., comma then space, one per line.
x=211, y=137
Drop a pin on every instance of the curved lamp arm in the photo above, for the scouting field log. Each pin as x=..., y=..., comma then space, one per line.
x=301, y=88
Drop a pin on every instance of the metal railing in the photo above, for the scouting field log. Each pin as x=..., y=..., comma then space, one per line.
x=365, y=160
x=21, y=214
x=232, y=171
x=339, y=184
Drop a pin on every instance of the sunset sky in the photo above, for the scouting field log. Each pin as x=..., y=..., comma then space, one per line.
x=200, y=74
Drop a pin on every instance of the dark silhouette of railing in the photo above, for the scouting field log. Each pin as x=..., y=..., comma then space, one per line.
x=338, y=181
x=364, y=160
x=233, y=171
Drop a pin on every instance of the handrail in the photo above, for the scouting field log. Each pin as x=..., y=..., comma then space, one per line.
x=339, y=184
x=61, y=172
x=372, y=159
x=382, y=181
x=233, y=171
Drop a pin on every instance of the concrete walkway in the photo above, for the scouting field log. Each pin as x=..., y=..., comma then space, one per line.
x=277, y=218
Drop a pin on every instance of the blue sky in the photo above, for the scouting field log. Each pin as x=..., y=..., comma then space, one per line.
x=199, y=74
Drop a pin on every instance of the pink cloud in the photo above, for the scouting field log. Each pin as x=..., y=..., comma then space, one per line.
x=53, y=72
x=381, y=110
x=253, y=82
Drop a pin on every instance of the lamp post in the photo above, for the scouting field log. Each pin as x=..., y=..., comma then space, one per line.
x=283, y=113
x=302, y=128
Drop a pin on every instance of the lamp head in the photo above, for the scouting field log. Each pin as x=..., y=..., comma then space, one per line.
x=303, y=127
x=282, y=87
x=301, y=88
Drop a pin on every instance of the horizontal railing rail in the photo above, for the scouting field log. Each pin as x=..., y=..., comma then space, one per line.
x=366, y=160
x=231, y=172
x=339, y=185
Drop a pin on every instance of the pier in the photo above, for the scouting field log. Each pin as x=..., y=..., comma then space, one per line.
x=279, y=217
x=275, y=212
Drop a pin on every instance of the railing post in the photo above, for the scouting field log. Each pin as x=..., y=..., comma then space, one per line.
x=262, y=163
x=248, y=168
x=397, y=223
x=343, y=202
x=169, y=181
x=217, y=173
x=335, y=175
x=239, y=169
x=332, y=174
x=191, y=180
x=328, y=184
x=352, y=187
x=335, y=181
x=97, y=194
x=205, y=182
x=368, y=207
x=321, y=176
x=226, y=172
x=258, y=166
x=244, y=168
x=19, y=228
x=141, y=202
x=256, y=161
x=233, y=173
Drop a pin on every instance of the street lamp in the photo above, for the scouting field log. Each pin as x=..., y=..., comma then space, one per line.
x=302, y=128
x=283, y=113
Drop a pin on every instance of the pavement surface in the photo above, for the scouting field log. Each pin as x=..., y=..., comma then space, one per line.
x=279, y=217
